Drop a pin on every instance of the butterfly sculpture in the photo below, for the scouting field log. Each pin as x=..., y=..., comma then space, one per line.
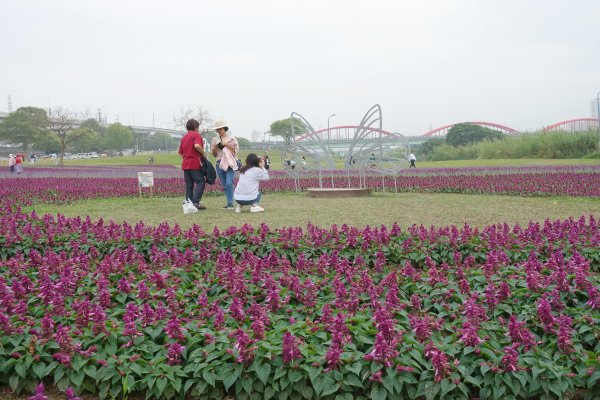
x=366, y=149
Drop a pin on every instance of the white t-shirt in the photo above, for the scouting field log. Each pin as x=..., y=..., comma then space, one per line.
x=247, y=187
x=412, y=157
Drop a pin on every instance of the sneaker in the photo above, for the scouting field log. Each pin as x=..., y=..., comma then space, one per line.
x=238, y=209
x=256, y=208
x=199, y=206
x=228, y=207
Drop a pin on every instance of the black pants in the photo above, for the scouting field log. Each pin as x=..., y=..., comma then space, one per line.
x=412, y=164
x=194, y=177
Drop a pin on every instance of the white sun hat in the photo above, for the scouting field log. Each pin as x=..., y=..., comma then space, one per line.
x=220, y=123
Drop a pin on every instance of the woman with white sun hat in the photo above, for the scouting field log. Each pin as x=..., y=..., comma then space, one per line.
x=225, y=148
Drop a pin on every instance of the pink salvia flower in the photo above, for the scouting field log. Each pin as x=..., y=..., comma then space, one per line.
x=510, y=358
x=544, y=311
x=519, y=334
x=290, y=350
x=439, y=360
x=564, y=334
x=174, y=354
x=39, y=393
x=70, y=393
x=468, y=334
x=593, y=298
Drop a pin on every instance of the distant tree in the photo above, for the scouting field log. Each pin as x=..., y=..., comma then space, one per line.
x=93, y=125
x=429, y=146
x=24, y=126
x=464, y=134
x=208, y=134
x=87, y=140
x=161, y=140
x=243, y=143
x=200, y=114
x=47, y=143
x=283, y=128
x=117, y=137
x=66, y=125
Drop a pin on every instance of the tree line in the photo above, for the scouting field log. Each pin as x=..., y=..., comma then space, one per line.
x=33, y=130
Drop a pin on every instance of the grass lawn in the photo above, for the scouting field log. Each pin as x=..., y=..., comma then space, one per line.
x=291, y=209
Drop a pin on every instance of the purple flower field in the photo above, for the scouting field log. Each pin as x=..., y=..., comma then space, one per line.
x=501, y=312
x=59, y=185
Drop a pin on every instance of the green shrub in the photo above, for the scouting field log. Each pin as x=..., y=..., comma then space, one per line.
x=551, y=145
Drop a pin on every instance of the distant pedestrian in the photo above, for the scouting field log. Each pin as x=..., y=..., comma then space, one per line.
x=151, y=160
x=267, y=162
x=413, y=159
x=11, y=162
x=19, y=164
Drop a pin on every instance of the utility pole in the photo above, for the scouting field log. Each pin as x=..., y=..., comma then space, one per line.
x=598, y=116
x=9, y=104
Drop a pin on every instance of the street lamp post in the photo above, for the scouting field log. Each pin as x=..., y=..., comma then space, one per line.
x=328, y=133
x=598, y=105
x=49, y=108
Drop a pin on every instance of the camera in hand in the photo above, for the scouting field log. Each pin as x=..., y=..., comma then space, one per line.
x=220, y=145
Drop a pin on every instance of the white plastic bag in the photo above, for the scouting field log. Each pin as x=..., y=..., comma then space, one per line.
x=188, y=207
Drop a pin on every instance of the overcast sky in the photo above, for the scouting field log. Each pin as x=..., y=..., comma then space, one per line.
x=521, y=63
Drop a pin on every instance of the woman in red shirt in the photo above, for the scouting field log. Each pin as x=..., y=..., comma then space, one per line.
x=191, y=149
x=19, y=164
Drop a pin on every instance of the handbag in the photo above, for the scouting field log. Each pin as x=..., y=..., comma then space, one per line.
x=188, y=207
x=209, y=172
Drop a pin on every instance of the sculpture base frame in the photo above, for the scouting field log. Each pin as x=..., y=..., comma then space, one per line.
x=339, y=192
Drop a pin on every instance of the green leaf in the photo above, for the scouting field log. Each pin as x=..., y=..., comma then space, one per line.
x=446, y=387
x=50, y=368
x=161, y=384
x=269, y=392
x=58, y=373
x=229, y=379
x=484, y=368
x=593, y=378
x=388, y=383
x=136, y=368
x=431, y=390
x=329, y=386
x=247, y=385
x=77, y=378
x=209, y=376
x=378, y=392
x=21, y=369
x=262, y=372
x=307, y=392
x=177, y=384
x=356, y=368
x=13, y=382
x=499, y=392
x=90, y=370
x=294, y=376
x=314, y=372
x=353, y=380
x=39, y=369
x=318, y=384
x=535, y=371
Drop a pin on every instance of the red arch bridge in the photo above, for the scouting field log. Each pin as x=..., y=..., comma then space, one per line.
x=346, y=133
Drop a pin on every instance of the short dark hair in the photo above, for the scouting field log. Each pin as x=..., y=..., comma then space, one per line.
x=192, y=125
